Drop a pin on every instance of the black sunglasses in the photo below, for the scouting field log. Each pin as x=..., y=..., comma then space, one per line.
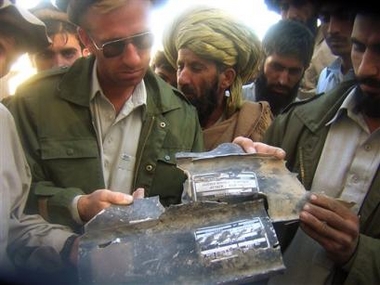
x=116, y=47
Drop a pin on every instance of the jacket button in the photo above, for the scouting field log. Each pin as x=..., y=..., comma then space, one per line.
x=149, y=167
x=69, y=151
x=162, y=124
x=367, y=147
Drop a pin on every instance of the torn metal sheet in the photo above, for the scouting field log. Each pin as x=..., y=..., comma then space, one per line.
x=194, y=243
x=222, y=233
x=143, y=210
x=227, y=173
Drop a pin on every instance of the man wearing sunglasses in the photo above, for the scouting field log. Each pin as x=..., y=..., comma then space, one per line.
x=107, y=125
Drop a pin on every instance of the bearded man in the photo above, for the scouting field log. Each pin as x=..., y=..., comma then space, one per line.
x=214, y=54
x=288, y=48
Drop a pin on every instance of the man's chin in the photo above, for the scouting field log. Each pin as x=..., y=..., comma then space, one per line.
x=370, y=104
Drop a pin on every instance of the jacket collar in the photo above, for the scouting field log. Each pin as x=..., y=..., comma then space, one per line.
x=316, y=115
x=75, y=85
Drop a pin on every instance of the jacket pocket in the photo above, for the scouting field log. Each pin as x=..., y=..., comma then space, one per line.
x=73, y=163
x=68, y=149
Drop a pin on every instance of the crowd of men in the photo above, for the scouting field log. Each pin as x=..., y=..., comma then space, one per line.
x=97, y=126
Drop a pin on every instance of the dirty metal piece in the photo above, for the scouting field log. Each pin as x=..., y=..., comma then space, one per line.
x=194, y=243
x=118, y=216
x=228, y=173
x=223, y=233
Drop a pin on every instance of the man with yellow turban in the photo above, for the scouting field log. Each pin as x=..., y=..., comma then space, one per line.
x=214, y=55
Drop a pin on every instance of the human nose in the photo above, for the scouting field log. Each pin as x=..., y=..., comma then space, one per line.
x=284, y=77
x=131, y=55
x=183, y=77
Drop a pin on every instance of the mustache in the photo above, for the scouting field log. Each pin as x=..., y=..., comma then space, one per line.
x=369, y=82
x=286, y=89
x=186, y=89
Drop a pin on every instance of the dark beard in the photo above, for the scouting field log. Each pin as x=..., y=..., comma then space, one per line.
x=369, y=104
x=276, y=101
x=206, y=103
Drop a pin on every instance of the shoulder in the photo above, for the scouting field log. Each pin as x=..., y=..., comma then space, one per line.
x=45, y=75
x=73, y=74
x=70, y=81
x=39, y=84
x=315, y=112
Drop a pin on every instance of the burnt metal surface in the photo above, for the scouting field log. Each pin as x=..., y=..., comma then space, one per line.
x=222, y=233
x=195, y=243
x=235, y=174
x=143, y=210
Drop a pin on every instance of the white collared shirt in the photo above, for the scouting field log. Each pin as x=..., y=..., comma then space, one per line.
x=117, y=135
x=348, y=164
x=347, y=172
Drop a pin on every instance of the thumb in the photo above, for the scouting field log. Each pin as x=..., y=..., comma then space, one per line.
x=139, y=193
x=119, y=198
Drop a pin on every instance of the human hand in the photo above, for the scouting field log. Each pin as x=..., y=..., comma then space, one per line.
x=334, y=226
x=139, y=193
x=104, y=195
x=91, y=204
x=250, y=146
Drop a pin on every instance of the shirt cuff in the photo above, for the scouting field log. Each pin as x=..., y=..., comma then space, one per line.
x=74, y=210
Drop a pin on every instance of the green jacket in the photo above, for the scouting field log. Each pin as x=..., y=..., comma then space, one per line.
x=301, y=131
x=54, y=120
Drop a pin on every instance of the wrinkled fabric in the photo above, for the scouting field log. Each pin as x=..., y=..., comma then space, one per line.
x=52, y=112
x=251, y=121
x=30, y=241
x=213, y=34
x=301, y=131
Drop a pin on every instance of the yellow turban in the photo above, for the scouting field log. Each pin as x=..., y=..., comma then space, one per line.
x=214, y=34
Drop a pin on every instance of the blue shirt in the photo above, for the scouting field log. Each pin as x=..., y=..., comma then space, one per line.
x=331, y=76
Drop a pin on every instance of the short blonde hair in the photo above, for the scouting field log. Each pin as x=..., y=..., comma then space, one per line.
x=77, y=8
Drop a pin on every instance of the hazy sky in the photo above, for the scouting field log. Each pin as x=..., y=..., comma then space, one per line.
x=252, y=12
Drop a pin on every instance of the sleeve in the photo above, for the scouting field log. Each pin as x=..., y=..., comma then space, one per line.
x=31, y=240
x=45, y=197
x=364, y=268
